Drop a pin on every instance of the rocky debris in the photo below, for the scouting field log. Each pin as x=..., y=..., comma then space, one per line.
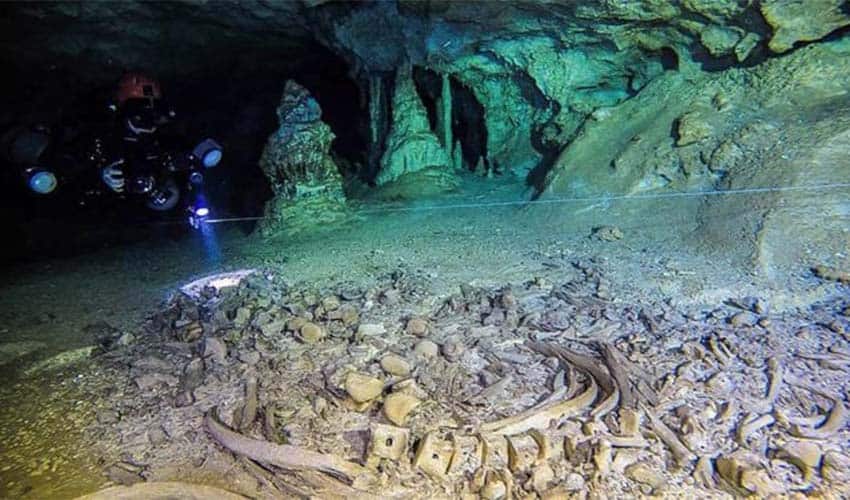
x=692, y=128
x=417, y=326
x=578, y=391
x=607, y=233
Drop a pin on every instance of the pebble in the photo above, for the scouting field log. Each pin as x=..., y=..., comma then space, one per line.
x=363, y=388
x=426, y=349
x=395, y=365
x=417, y=327
x=311, y=333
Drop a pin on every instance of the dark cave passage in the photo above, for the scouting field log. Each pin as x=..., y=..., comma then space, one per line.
x=468, y=124
x=233, y=102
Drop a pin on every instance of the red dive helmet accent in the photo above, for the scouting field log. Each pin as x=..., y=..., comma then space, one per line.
x=137, y=86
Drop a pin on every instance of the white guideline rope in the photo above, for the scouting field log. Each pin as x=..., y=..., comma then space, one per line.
x=586, y=199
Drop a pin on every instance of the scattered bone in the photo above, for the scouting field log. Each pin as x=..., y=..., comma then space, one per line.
x=523, y=453
x=434, y=456
x=286, y=456
x=752, y=424
x=834, y=422
x=540, y=419
x=603, y=458
x=248, y=412
x=644, y=473
x=493, y=391
x=541, y=478
x=704, y=472
x=776, y=372
x=388, y=441
x=805, y=455
x=681, y=453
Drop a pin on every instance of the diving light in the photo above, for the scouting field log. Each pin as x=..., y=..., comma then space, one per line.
x=41, y=181
x=208, y=152
x=202, y=212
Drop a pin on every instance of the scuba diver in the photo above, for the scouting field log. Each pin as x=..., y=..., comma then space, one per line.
x=136, y=155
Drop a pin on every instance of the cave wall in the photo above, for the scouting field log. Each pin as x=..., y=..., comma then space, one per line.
x=546, y=74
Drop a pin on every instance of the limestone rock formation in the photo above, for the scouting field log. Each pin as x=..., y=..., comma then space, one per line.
x=411, y=145
x=297, y=161
x=803, y=20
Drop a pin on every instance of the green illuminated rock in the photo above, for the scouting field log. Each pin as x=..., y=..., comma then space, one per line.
x=411, y=145
x=802, y=20
x=297, y=161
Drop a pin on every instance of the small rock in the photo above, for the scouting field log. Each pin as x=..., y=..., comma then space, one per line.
x=363, y=388
x=417, y=327
x=215, y=350
x=607, y=233
x=395, y=365
x=426, y=349
x=311, y=333
x=398, y=405
x=692, y=128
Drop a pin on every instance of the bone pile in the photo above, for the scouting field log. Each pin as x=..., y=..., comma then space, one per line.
x=533, y=390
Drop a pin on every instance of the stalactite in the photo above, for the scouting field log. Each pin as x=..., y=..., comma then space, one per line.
x=444, y=114
x=376, y=129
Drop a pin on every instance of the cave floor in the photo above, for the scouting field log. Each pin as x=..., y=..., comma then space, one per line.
x=59, y=307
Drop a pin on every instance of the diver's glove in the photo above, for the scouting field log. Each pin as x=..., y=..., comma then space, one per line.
x=113, y=176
